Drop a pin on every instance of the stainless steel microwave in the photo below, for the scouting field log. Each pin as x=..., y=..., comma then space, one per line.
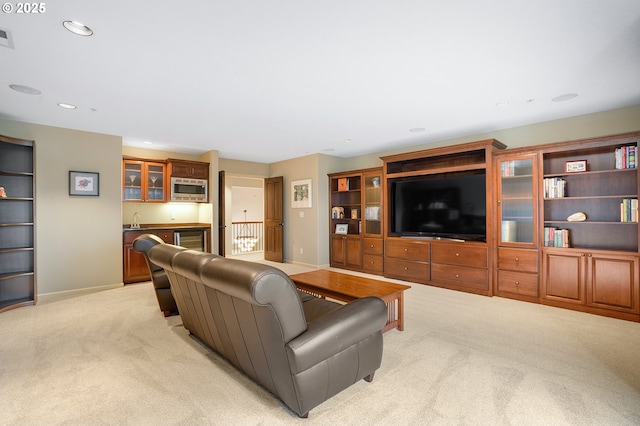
x=192, y=190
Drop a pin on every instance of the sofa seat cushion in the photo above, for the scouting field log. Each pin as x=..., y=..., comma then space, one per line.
x=315, y=307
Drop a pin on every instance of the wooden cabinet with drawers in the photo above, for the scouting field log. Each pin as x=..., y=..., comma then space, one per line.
x=517, y=273
x=355, y=221
x=372, y=260
x=460, y=266
x=407, y=259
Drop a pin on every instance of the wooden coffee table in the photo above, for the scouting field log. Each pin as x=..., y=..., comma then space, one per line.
x=345, y=288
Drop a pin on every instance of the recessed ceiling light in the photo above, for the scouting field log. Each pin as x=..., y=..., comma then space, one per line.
x=25, y=89
x=147, y=143
x=417, y=129
x=78, y=28
x=566, y=97
x=66, y=106
x=502, y=104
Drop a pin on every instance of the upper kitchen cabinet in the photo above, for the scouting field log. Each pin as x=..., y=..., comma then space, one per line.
x=144, y=181
x=188, y=169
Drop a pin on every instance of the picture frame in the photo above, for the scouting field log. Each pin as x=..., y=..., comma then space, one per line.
x=301, y=194
x=342, y=228
x=86, y=184
x=577, y=166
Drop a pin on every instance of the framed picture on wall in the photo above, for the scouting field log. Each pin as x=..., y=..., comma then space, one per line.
x=84, y=183
x=301, y=194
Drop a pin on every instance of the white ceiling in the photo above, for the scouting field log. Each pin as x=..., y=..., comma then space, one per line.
x=265, y=80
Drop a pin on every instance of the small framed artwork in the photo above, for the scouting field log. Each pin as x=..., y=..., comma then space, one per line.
x=575, y=166
x=342, y=228
x=301, y=194
x=84, y=183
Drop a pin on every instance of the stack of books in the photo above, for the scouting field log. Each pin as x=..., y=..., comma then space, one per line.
x=626, y=157
x=554, y=188
x=555, y=237
x=629, y=210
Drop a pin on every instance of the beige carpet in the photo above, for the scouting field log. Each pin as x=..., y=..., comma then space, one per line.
x=111, y=358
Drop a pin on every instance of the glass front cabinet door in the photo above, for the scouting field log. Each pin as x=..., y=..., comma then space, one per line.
x=143, y=181
x=517, y=200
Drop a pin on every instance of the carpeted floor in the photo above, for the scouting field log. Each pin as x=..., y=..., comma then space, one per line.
x=111, y=358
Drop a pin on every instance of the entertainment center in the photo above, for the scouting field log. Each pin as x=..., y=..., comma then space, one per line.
x=554, y=224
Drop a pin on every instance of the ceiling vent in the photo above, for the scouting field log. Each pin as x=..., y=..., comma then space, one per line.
x=6, y=39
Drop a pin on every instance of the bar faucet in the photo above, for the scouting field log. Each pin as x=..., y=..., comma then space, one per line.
x=136, y=218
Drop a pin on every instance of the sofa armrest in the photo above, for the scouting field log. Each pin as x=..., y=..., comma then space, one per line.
x=335, y=331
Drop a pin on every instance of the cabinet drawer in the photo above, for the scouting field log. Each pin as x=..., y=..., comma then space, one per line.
x=459, y=254
x=518, y=283
x=372, y=263
x=372, y=246
x=167, y=236
x=518, y=259
x=412, y=250
x=406, y=269
x=461, y=276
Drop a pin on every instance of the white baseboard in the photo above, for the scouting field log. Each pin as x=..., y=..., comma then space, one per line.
x=77, y=292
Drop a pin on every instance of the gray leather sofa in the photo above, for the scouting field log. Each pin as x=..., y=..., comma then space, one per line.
x=159, y=278
x=300, y=348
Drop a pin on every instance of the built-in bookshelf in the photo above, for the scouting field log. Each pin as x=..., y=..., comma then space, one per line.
x=17, y=253
x=596, y=179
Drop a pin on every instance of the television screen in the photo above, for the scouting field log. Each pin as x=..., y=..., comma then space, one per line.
x=449, y=205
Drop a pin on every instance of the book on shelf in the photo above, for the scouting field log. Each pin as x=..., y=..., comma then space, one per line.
x=556, y=237
x=555, y=187
x=629, y=210
x=372, y=213
x=508, y=168
x=343, y=184
x=337, y=213
x=626, y=157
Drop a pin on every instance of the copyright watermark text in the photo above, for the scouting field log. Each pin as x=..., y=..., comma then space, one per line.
x=26, y=8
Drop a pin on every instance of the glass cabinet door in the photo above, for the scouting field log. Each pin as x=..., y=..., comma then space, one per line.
x=517, y=200
x=132, y=181
x=155, y=182
x=373, y=204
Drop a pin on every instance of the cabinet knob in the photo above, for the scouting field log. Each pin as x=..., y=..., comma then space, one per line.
x=517, y=259
x=406, y=269
x=517, y=282
x=406, y=249
x=371, y=245
x=457, y=275
x=457, y=254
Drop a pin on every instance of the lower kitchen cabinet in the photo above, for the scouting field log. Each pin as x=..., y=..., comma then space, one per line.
x=135, y=267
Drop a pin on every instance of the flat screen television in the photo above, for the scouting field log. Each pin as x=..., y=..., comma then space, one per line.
x=447, y=205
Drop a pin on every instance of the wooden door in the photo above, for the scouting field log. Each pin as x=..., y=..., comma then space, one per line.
x=563, y=276
x=221, y=206
x=614, y=282
x=273, y=219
